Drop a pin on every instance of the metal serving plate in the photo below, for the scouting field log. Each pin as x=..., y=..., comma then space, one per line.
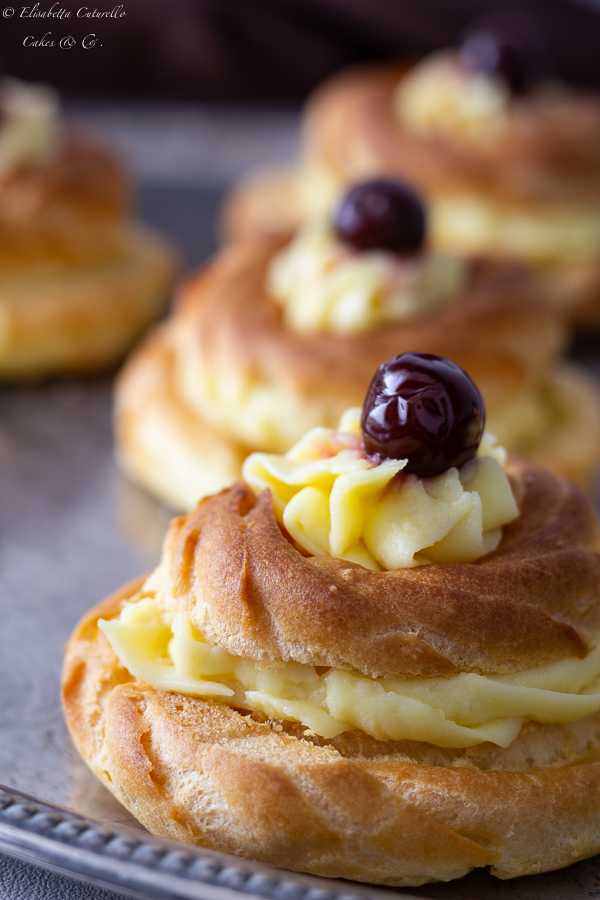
x=72, y=530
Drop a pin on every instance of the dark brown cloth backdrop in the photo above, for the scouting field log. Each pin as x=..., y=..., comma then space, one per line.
x=263, y=49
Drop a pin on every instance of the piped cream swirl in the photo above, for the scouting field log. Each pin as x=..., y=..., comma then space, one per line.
x=334, y=501
x=324, y=286
x=439, y=95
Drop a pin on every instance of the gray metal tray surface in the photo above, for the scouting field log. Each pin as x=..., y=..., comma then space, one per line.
x=71, y=531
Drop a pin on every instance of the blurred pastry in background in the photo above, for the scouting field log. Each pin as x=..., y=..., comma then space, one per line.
x=80, y=279
x=279, y=335
x=508, y=157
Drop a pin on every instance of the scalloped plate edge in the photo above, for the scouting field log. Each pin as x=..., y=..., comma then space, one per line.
x=140, y=865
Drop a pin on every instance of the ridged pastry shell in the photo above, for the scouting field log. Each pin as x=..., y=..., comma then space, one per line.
x=352, y=124
x=180, y=399
x=395, y=813
x=162, y=443
x=82, y=318
x=351, y=132
x=79, y=279
x=62, y=210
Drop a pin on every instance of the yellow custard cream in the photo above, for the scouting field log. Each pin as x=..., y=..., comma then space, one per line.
x=29, y=123
x=324, y=286
x=438, y=95
x=334, y=501
x=549, y=232
x=166, y=652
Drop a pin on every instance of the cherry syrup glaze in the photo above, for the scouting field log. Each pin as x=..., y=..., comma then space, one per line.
x=423, y=408
x=511, y=48
x=383, y=214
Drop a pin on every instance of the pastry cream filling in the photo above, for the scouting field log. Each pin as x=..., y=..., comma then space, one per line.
x=323, y=285
x=439, y=95
x=29, y=123
x=166, y=652
x=474, y=223
x=334, y=501
x=464, y=223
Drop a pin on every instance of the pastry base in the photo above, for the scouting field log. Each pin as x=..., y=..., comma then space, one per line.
x=391, y=813
x=162, y=443
x=82, y=318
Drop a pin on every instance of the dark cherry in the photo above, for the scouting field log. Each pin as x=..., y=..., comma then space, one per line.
x=423, y=408
x=511, y=48
x=383, y=214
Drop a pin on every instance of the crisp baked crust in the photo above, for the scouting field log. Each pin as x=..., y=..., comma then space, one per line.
x=65, y=210
x=82, y=173
x=351, y=129
x=351, y=124
x=165, y=445
x=83, y=317
x=177, y=428
x=162, y=442
x=264, y=202
x=200, y=772
x=272, y=203
x=390, y=812
x=232, y=572
x=227, y=330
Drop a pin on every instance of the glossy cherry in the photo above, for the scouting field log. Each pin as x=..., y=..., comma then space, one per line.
x=383, y=214
x=423, y=408
x=511, y=48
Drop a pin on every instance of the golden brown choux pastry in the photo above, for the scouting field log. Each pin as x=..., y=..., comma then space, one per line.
x=79, y=278
x=240, y=774
x=512, y=175
x=226, y=374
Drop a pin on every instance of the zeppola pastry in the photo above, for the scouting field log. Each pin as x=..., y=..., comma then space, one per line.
x=509, y=159
x=375, y=658
x=79, y=279
x=279, y=335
